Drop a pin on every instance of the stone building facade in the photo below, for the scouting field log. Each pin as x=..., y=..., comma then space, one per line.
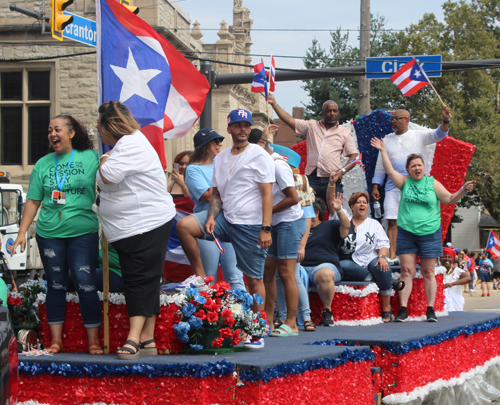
x=41, y=77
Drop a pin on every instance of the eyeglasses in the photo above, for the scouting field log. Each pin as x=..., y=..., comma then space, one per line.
x=217, y=141
x=397, y=118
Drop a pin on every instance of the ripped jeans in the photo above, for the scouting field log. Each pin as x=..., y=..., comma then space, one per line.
x=76, y=256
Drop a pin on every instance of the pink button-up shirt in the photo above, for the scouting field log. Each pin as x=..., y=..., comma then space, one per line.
x=324, y=146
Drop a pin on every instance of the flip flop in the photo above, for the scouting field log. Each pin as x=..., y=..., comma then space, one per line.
x=147, y=351
x=131, y=355
x=309, y=326
x=283, y=331
x=398, y=285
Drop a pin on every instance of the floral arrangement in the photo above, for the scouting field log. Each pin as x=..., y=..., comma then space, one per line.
x=23, y=304
x=223, y=310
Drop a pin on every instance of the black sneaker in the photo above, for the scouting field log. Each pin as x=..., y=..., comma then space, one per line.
x=327, y=318
x=402, y=315
x=431, y=315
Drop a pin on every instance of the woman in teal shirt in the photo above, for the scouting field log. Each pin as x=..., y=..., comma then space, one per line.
x=419, y=225
x=63, y=184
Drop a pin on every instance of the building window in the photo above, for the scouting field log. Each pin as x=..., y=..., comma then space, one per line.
x=25, y=110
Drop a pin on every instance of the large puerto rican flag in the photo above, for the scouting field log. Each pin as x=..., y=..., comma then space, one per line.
x=140, y=68
x=493, y=245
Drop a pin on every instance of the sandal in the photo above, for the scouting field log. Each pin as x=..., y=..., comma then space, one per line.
x=398, y=285
x=132, y=354
x=309, y=326
x=147, y=351
x=55, y=347
x=277, y=323
x=95, y=348
x=283, y=331
x=386, y=316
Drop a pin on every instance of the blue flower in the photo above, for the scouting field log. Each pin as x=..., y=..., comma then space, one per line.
x=196, y=347
x=262, y=321
x=183, y=338
x=200, y=300
x=192, y=291
x=182, y=328
x=195, y=322
x=258, y=299
x=238, y=293
x=188, y=310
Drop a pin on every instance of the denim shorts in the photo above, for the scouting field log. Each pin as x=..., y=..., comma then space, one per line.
x=250, y=259
x=423, y=245
x=286, y=238
x=312, y=270
x=484, y=276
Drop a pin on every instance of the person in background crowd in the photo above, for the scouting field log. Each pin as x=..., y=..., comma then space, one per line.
x=419, y=224
x=177, y=187
x=67, y=229
x=136, y=216
x=472, y=271
x=400, y=144
x=485, y=272
x=453, y=280
x=326, y=142
x=198, y=176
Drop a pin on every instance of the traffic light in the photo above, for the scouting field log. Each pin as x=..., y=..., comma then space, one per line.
x=59, y=21
x=126, y=3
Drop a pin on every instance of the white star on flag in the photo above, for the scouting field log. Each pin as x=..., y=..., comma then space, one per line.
x=135, y=81
x=417, y=73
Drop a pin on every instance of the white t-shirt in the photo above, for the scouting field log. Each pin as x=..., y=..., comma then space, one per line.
x=453, y=298
x=284, y=179
x=239, y=188
x=399, y=147
x=137, y=201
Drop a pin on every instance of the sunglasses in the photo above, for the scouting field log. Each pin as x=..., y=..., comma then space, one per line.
x=217, y=141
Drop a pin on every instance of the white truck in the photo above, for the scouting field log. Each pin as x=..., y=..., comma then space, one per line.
x=12, y=201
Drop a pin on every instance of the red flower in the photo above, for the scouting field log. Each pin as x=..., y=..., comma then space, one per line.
x=209, y=279
x=217, y=342
x=205, y=294
x=230, y=321
x=225, y=333
x=263, y=315
x=226, y=313
x=212, y=317
x=201, y=314
x=236, y=341
x=210, y=305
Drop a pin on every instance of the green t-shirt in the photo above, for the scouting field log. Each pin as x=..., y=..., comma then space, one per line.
x=77, y=217
x=419, y=207
x=114, y=261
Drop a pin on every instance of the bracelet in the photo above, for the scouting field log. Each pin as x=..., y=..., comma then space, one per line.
x=332, y=186
x=104, y=155
x=446, y=122
x=463, y=190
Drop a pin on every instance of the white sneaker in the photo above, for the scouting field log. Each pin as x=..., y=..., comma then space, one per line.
x=259, y=344
x=192, y=282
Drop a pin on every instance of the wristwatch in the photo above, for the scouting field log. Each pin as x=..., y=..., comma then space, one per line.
x=384, y=256
x=343, y=170
x=266, y=228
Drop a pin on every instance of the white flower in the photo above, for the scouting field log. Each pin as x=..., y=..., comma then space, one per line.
x=237, y=309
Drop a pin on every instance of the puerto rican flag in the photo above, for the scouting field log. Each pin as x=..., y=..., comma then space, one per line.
x=272, y=78
x=410, y=78
x=493, y=245
x=259, y=83
x=140, y=68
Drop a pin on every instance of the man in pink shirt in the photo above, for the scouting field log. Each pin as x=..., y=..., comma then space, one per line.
x=326, y=142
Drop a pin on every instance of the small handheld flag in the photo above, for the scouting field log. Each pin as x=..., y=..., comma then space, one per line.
x=493, y=245
x=219, y=244
x=259, y=83
x=356, y=160
x=410, y=78
x=272, y=81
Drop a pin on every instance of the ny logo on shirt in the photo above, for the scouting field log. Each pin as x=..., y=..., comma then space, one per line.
x=370, y=238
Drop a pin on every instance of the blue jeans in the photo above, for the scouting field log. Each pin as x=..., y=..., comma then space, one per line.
x=312, y=270
x=211, y=257
x=286, y=238
x=303, y=309
x=355, y=272
x=115, y=281
x=320, y=184
x=77, y=256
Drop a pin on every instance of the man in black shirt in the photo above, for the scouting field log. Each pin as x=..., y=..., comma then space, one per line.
x=321, y=259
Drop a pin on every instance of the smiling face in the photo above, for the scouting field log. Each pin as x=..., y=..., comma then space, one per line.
x=330, y=114
x=416, y=168
x=60, y=136
x=360, y=207
x=183, y=164
x=446, y=261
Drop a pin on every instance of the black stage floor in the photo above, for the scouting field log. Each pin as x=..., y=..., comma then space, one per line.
x=294, y=349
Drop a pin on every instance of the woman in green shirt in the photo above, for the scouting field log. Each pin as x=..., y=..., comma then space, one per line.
x=419, y=225
x=63, y=184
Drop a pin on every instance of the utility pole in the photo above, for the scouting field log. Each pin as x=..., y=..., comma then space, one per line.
x=364, y=52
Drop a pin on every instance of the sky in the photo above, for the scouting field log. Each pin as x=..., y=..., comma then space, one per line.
x=300, y=15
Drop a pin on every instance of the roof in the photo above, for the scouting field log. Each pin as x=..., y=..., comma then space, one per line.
x=487, y=221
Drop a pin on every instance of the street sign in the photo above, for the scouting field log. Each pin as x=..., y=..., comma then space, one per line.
x=385, y=67
x=82, y=30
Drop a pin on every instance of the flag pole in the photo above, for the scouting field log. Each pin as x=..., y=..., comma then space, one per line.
x=267, y=104
x=433, y=88
x=105, y=292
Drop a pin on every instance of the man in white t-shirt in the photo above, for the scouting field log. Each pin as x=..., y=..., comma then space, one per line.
x=243, y=181
x=400, y=144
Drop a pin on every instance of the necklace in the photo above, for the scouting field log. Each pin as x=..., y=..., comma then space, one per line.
x=240, y=147
x=235, y=163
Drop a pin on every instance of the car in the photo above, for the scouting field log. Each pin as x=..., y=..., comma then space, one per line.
x=9, y=360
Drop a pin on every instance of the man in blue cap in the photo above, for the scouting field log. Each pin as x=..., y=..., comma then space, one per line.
x=242, y=182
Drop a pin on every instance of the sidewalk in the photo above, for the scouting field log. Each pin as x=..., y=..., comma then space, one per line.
x=476, y=303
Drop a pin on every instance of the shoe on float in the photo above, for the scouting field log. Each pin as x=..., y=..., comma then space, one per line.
x=327, y=318
x=402, y=315
x=431, y=315
x=192, y=282
x=259, y=344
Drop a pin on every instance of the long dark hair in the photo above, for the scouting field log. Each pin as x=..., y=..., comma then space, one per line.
x=199, y=155
x=81, y=140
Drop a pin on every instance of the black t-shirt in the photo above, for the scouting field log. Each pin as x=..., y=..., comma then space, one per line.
x=348, y=245
x=323, y=245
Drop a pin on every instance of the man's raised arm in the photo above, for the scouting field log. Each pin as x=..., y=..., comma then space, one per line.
x=284, y=116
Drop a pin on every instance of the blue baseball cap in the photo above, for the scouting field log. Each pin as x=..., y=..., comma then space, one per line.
x=204, y=136
x=292, y=157
x=239, y=115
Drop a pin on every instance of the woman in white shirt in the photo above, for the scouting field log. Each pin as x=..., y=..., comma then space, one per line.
x=136, y=214
x=453, y=280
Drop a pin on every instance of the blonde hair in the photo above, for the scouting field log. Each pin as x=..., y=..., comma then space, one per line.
x=116, y=120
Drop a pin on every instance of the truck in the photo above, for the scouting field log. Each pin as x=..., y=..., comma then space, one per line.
x=12, y=199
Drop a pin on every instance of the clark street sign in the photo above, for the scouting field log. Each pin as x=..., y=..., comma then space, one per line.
x=82, y=30
x=385, y=67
